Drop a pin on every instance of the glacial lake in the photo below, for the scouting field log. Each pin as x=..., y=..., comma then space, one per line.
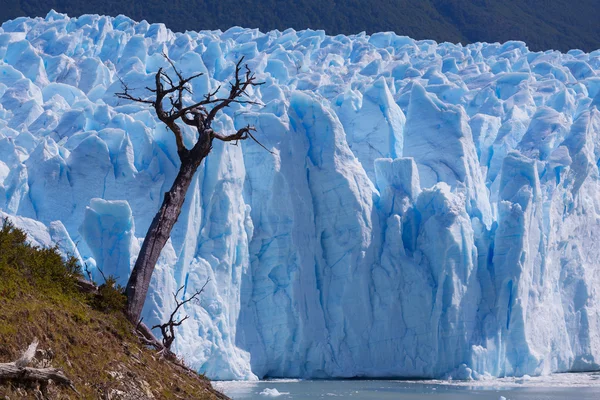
x=554, y=387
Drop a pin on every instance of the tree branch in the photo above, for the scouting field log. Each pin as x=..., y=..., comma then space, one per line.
x=195, y=115
x=238, y=88
x=168, y=328
x=125, y=94
x=241, y=134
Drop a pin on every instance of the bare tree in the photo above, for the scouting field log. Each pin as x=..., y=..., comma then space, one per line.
x=200, y=115
x=168, y=328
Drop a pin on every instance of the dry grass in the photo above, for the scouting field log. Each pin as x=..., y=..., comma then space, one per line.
x=96, y=349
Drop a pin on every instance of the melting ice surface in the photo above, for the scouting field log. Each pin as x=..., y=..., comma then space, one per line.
x=430, y=210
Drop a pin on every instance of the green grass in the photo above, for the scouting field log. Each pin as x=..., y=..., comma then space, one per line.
x=92, y=340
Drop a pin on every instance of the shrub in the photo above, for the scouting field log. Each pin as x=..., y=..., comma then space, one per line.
x=42, y=268
x=110, y=296
x=24, y=267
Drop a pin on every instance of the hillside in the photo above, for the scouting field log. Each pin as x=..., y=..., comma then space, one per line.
x=83, y=335
x=542, y=24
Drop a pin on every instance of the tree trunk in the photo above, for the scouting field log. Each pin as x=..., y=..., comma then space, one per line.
x=198, y=117
x=10, y=372
x=156, y=238
x=19, y=371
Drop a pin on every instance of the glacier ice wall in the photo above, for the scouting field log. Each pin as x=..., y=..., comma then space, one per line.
x=429, y=210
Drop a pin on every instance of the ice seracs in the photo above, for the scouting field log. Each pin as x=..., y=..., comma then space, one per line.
x=427, y=210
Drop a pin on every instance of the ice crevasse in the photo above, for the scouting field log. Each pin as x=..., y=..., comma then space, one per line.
x=428, y=210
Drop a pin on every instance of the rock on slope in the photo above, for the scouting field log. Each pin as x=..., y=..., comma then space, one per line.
x=430, y=210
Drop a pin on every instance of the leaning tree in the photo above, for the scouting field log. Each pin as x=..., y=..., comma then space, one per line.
x=167, y=99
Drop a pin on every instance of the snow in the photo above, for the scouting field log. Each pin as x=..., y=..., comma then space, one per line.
x=428, y=210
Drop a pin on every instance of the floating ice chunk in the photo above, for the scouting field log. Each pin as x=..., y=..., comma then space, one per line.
x=268, y=392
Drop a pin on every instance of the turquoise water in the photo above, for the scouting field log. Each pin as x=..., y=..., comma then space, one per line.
x=545, y=389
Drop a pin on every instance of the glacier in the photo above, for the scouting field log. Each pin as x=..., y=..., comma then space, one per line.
x=429, y=210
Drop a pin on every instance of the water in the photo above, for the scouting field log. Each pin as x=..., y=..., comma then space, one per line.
x=555, y=387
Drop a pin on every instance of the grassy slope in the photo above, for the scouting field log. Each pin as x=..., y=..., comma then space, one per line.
x=96, y=349
x=543, y=24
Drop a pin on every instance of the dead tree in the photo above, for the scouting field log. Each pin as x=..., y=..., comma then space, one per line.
x=168, y=103
x=168, y=328
x=20, y=371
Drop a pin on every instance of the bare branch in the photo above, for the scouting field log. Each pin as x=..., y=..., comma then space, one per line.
x=241, y=134
x=259, y=143
x=167, y=329
x=102, y=273
x=87, y=286
x=173, y=66
x=221, y=101
x=125, y=94
x=238, y=88
x=196, y=115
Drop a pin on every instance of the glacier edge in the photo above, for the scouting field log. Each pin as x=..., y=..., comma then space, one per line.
x=429, y=210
